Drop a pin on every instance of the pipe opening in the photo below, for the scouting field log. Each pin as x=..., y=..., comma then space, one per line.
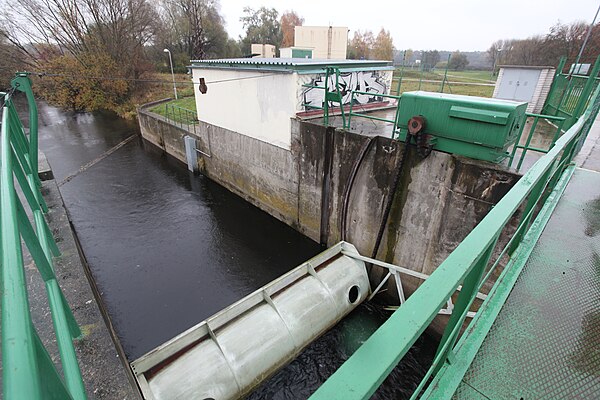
x=353, y=294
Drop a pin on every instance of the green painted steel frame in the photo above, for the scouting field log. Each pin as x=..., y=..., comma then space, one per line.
x=360, y=376
x=28, y=370
x=526, y=147
x=351, y=113
x=570, y=94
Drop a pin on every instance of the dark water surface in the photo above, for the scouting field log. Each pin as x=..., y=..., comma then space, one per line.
x=168, y=249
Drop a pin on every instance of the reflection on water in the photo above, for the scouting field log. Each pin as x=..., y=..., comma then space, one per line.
x=167, y=249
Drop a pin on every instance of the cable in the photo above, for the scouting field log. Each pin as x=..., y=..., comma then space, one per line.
x=95, y=161
x=390, y=198
x=106, y=78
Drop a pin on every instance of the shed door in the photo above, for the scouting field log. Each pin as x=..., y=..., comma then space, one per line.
x=518, y=84
x=528, y=79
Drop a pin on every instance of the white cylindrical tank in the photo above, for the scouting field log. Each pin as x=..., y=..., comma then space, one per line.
x=231, y=353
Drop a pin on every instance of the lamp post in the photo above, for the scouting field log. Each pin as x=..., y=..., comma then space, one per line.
x=499, y=51
x=172, y=74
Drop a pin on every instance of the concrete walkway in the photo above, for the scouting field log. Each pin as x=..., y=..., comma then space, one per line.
x=104, y=373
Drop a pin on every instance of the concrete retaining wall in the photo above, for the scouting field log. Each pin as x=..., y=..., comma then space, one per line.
x=439, y=199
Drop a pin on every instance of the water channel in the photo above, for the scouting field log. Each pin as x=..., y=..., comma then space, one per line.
x=168, y=249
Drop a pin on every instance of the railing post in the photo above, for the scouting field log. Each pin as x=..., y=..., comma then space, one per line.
x=532, y=200
x=561, y=66
x=463, y=302
x=527, y=142
x=350, y=109
x=23, y=84
x=587, y=90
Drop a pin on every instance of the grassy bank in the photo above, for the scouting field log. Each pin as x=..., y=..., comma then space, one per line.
x=471, y=83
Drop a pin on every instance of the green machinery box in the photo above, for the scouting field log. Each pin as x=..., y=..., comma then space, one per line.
x=474, y=127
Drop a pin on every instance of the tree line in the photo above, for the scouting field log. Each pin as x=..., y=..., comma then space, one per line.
x=547, y=49
x=76, y=41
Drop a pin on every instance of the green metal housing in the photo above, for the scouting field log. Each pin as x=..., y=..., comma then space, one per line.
x=474, y=127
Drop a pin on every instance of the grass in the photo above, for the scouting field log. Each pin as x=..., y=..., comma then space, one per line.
x=457, y=77
x=161, y=87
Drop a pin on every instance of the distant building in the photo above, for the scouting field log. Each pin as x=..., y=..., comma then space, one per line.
x=262, y=50
x=327, y=42
x=524, y=83
x=296, y=52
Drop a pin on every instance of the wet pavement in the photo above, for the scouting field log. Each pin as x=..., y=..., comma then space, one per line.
x=544, y=343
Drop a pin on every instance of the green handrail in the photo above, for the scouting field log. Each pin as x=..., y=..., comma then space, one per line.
x=28, y=369
x=360, y=376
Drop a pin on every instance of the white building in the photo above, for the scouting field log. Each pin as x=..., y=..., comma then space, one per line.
x=327, y=42
x=258, y=97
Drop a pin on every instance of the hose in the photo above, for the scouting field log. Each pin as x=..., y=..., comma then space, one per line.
x=355, y=167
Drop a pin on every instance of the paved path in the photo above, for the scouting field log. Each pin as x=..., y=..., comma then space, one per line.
x=103, y=372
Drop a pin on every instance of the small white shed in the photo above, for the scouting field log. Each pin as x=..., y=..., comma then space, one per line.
x=524, y=83
x=257, y=97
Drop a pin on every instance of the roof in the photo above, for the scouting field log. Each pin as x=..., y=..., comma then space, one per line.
x=290, y=64
x=527, y=66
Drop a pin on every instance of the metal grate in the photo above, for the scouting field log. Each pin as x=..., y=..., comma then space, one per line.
x=546, y=340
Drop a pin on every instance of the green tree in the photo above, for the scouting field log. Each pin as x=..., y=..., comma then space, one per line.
x=458, y=61
x=262, y=26
x=383, y=46
x=289, y=20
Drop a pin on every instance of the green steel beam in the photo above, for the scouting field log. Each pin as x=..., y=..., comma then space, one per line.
x=448, y=379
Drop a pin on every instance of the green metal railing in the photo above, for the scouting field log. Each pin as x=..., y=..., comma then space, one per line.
x=181, y=116
x=570, y=94
x=352, y=113
x=527, y=146
x=470, y=265
x=330, y=97
x=28, y=370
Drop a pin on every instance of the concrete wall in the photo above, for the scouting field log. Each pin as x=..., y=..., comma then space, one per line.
x=329, y=42
x=439, y=200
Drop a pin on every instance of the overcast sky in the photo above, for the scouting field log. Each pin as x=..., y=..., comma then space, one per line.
x=428, y=24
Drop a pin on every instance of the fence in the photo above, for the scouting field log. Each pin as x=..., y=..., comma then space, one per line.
x=569, y=94
x=182, y=116
x=527, y=146
x=27, y=368
x=469, y=265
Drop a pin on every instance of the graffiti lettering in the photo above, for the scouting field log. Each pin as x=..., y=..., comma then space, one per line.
x=370, y=82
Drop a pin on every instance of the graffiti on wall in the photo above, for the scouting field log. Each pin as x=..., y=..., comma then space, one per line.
x=371, y=82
